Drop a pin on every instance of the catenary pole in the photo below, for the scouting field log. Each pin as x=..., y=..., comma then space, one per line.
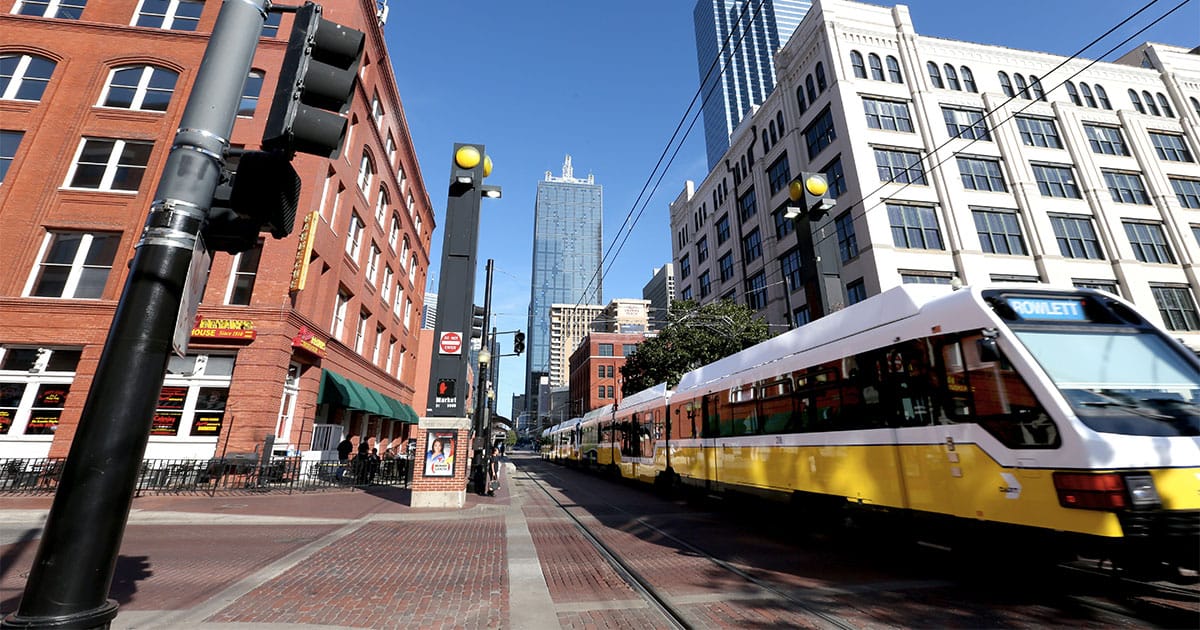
x=73, y=569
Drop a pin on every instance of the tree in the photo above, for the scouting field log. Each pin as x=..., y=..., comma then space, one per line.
x=695, y=335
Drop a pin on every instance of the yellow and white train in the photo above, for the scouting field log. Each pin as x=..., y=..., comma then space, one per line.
x=1043, y=411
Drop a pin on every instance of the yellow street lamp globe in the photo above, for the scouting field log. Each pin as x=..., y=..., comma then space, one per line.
x=466, y=157
x=795, y=190
x=487, y=165
x=816, y=185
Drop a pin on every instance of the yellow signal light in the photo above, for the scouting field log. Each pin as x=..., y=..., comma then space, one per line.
x=487, y=165
x=467, y=157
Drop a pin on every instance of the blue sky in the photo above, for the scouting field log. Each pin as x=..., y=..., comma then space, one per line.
x=608, y=82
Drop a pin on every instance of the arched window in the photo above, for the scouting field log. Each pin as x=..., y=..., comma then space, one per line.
x=1085, y=90
x=1073, y=93
x=876, y=67
x=1035, y=84
x=779, y=122
x=394, y=233
x=1005, y=84
x=412, y=270
x=811, y=88
x=821, y=84
x=1150, y=106
x=765, y=141
x=1022, y=87
x=935, y=75
x=1165, y=106
x=142, y=88
x=800, y=104
x=1195, y=104
x=968, y=78
x=381, y=204
x=366, y=172
x=404, y=252
x=774, y=134
x=24, y=77
x=250, y=92
x=894, y=74
x=856, y=62
x=1103, y=96
x=1137, y=103
x=951, y=77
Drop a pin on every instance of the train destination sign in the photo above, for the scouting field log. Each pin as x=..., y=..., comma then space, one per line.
x=1048, y=309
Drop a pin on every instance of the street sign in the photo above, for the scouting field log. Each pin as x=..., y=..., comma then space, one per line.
x=193, y=290
x=450, y=343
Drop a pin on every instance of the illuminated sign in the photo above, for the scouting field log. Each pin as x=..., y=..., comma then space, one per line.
x=1048, y=309
x=304, y=248
x=306, y=340
x=230, y=329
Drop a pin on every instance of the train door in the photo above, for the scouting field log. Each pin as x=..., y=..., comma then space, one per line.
x=709, y=433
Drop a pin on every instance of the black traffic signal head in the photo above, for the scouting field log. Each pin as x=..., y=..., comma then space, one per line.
x=476, y=322
x=259, y=195
x=469, y=167
x=316, y=86
x=811, y=191
x=519, y=342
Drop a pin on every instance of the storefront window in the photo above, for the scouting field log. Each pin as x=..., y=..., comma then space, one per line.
x=193, y=397
x=34, y=383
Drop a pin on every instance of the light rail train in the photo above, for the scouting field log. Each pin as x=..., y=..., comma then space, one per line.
x=1053, y=413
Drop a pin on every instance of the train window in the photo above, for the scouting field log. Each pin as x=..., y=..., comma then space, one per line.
x=775, y=406
x=742, y=418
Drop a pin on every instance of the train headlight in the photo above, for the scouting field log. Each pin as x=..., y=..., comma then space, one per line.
x=1142, y=492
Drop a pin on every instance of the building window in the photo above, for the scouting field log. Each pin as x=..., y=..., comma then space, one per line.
x=856, y=291
x=685, y=267
x=605, y=349
x=110, y=165
x=876, y=66
x=60, y=9
x=271, y=26
x=981, y=174
x=999, y=231
x=965, y=123
x=722, y=229
x=751, y=246
x=339, y=314
x=1177, y=307
x=245, y=270
x=10, y=141
x=1101, y=285
x=1055, y=181
x=1196, y=233
x=847, y=241
x=968, y=78
x=1076, y=237
x=856, y=62
x=24, y=77
x=1006, y=84
x=1187, y=191
x=783, y=225
x=175, y=15
x=778, y=174
x=1035, y=84
x=935, y=75
x=747, y=206
x=1137, y=103
x=893, y=67
x=951, y=77
x=790, y=266
x=1126, y=187
x=801, y=316
x=354, y=236
x=382, y=201
x=756, y=291
x=74, y=264
x=1149, y=242
x=890, y=115
x=250, y=92
x=925, y=277
x=1105, y=140
x=705, y=284
x=360, y=331
x=1038, y=132
x=702, y=249
x=1150, y=106
x=142, y=88
x=376, y=109
x=1170, y=147
x=686, y=293
x=366, y=173
x=34, y=386
x=820, y=134
x=385, y=287
x=902, y=167
x=373, y=262
x=725, y=264
x=914, y=227
x=394, y=232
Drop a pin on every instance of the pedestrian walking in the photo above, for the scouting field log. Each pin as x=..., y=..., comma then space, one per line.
x=344, y=448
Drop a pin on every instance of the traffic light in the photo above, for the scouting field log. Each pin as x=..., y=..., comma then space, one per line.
x=316, y=86
x=811, y=191
x=476, y=322
x=519, y=342
x=259, y=194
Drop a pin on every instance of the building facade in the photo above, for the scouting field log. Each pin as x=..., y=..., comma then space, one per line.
x=735, y=43
x=596, y=369
x=567, y=252
x=569, y=324
x=292, y=336
x=954, y=159
x=660, y=292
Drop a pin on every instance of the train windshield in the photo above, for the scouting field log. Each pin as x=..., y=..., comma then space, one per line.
x=1132, y=382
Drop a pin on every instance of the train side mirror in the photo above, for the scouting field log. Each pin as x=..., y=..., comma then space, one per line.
x=989, y=350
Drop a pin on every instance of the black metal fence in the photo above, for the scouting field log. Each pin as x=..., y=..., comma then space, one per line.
x=230, y=474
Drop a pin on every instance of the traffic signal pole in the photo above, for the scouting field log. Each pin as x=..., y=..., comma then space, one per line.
x=73, y=569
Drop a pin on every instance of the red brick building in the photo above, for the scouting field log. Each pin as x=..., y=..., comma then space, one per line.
x=299, y=336
x=596, y=369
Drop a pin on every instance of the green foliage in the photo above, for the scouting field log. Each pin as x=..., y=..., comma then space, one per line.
x=694, y=336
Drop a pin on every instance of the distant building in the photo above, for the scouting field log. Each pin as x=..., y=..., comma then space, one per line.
x=567, y=252
x=735, y=43
x=953, y=159
x=596, y=369
x=660, y=292
x=429, y=312
x=569, y=324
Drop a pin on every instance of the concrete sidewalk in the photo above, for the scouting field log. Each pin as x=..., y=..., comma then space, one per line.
x=337, y=559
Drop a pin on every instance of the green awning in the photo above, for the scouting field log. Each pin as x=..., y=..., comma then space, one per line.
x=339, y=391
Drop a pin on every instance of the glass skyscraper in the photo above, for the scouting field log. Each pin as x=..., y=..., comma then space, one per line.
x=745, y=74
x=567, y=250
